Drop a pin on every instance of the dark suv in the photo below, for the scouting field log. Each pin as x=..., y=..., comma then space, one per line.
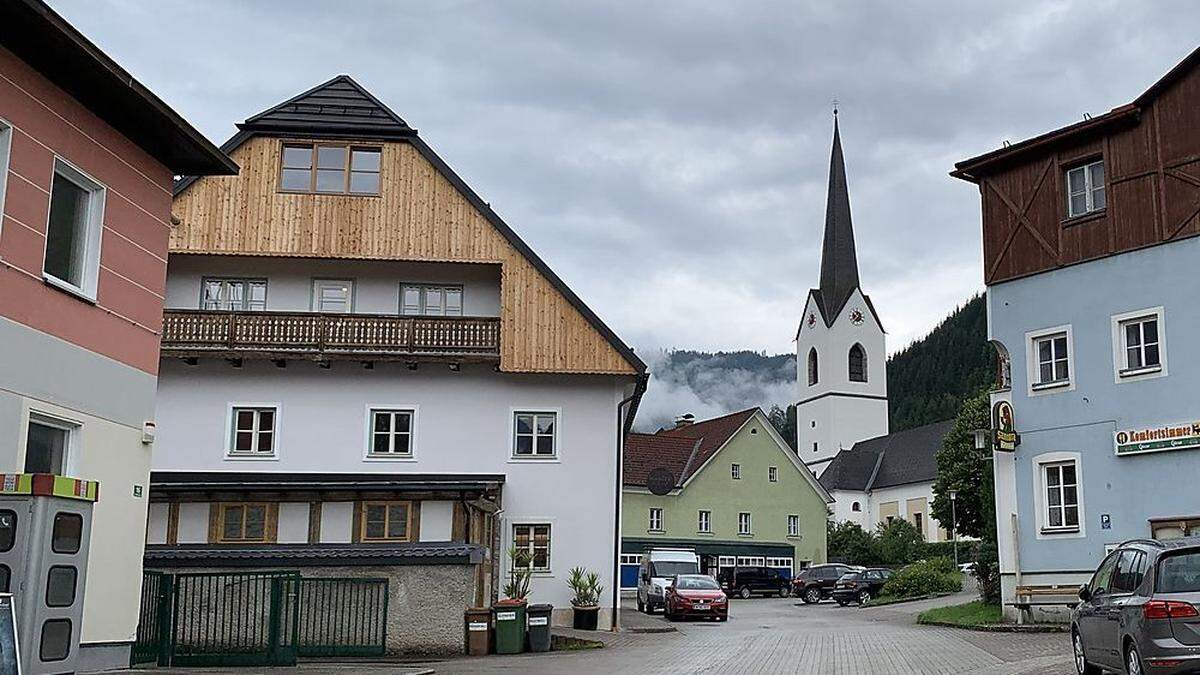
x=816, y=583
x=746, y=581
x=1138, y=613
x=860, y=586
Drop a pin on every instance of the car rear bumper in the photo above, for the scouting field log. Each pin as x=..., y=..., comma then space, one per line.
x=1170, y=658
x=846, y=594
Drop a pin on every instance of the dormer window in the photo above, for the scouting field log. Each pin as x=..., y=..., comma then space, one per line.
x=1085, y=189
x=329, y=168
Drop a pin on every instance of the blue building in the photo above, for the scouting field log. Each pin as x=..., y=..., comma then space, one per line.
x=1090, y=260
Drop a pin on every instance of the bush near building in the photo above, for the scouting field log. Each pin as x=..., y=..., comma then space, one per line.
x=927, y=577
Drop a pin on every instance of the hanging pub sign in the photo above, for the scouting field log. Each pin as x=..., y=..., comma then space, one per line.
x=1005, y=427
x=1180, y=436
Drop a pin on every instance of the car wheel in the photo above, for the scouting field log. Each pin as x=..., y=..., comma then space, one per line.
x=1081, y=665
x=812, y=596
x=744, y=593
x=864, y=597
x=1133, y=661
x=784, y=591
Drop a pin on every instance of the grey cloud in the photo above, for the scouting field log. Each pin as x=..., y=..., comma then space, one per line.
x=668, y=159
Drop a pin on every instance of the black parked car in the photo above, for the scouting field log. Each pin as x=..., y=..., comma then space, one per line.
x=860, y=586
x=746, y=581
x=816, y=583
x=1139, y=611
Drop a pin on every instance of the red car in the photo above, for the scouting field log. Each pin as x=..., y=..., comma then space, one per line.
x=695, y=595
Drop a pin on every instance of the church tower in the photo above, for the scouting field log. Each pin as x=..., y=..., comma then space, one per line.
x=841, y=350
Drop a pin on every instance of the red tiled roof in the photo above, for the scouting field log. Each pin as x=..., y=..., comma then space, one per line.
x=681, y=450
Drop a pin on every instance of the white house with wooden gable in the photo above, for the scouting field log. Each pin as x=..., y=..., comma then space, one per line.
x=364, y=367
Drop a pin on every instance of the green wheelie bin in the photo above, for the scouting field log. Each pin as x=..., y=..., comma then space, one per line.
x=510, y=628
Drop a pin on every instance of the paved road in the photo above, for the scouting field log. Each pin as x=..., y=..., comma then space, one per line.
x=770, y=635
x=775, y=635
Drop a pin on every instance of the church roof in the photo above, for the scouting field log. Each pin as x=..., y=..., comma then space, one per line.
x=839, y=263
x=899, y=458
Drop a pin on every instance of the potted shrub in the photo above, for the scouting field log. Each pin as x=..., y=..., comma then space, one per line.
x=586, y=601
x=509, y=612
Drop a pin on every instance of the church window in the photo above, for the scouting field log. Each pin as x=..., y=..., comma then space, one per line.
x=858, y=364
x=812, y=367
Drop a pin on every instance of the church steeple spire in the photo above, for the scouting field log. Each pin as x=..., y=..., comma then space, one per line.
x=839, y=263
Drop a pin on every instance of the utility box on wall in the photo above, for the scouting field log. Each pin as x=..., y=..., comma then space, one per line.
x=45, y=530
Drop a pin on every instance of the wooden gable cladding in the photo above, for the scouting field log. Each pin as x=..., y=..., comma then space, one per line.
x=419, y=215
x=1152, y=181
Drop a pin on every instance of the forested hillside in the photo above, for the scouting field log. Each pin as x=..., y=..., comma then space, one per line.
x=929, y=379
x=926, y=381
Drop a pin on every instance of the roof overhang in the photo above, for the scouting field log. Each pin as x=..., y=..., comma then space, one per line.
x=176, y=482
x=312, y=555
x=44, y=40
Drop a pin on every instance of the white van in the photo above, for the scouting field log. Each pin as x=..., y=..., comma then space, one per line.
x=659, y=566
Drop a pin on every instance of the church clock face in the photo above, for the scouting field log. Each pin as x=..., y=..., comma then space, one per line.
x=856, y=316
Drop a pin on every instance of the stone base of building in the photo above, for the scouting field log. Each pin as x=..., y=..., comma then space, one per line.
x=97, y=656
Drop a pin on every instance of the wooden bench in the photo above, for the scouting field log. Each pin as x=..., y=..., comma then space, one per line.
x=1044, y=595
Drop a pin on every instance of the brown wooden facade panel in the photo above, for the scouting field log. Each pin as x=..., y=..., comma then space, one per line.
x=1152, y=174
x=418, y=216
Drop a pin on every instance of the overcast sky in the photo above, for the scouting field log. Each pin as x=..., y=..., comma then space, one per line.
x=669, y=159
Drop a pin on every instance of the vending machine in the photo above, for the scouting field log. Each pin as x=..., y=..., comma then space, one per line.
x=45, y=531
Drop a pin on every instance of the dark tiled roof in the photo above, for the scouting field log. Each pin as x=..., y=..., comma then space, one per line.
x=339, y=106
x=416, y=553
x=839, y=263
x=682, y=450
x=900, y=458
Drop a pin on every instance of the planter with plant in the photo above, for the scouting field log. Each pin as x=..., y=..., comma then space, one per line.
x=509, y=612
x=586, y=601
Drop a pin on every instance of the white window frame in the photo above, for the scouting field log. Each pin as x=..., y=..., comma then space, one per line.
x=94, y=228
x=548, y=571
x=1121, y=371
x=726, y=561
x=6, y=134
x=318, y=283
x=246, y=282
x=422, y=287
x=751, y=561
x=1089, y=190
x=70, y=461
x=230, y=426
x=748, y=530
x=1033, y=370
x=626, y=558
x=793, y=525
x=780, y=563
x=735, y=471
x=1039, y=462
x=512, y=434
x=772, y=474
x=369, y=454
x=655, y=520
x=704, y=521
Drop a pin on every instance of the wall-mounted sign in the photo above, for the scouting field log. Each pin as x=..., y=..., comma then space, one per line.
x=1180, y=436
x=1004, y=424
x=1105, y=521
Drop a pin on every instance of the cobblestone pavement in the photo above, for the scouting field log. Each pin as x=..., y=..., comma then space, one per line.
x=769, y=635
x=773, y=635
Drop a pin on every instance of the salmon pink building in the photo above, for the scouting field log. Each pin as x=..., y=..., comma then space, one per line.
x=87, y=160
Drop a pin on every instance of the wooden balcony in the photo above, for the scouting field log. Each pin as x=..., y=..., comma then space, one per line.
x=192, y=333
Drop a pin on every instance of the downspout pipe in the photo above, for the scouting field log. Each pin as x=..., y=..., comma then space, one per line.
x=624, y=423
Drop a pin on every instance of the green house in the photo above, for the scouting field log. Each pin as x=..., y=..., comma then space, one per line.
x=730, y=487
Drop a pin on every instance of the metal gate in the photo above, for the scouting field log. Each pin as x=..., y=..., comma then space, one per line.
x=257, y=618
x=343, y=617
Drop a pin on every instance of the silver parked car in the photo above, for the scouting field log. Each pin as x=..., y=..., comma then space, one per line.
x=1139, y=613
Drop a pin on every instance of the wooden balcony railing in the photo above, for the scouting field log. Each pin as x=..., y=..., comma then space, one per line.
x=190, y=332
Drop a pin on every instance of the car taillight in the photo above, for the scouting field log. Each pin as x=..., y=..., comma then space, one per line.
x=1169, y=609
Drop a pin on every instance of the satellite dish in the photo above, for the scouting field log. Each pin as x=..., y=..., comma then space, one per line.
x=660, y=481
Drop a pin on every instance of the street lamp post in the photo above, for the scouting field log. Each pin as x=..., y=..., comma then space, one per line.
x=954, y=523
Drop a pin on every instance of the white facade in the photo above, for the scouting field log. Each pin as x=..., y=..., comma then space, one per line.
x=463, y=425
x=836, y=412
x=901, y=501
